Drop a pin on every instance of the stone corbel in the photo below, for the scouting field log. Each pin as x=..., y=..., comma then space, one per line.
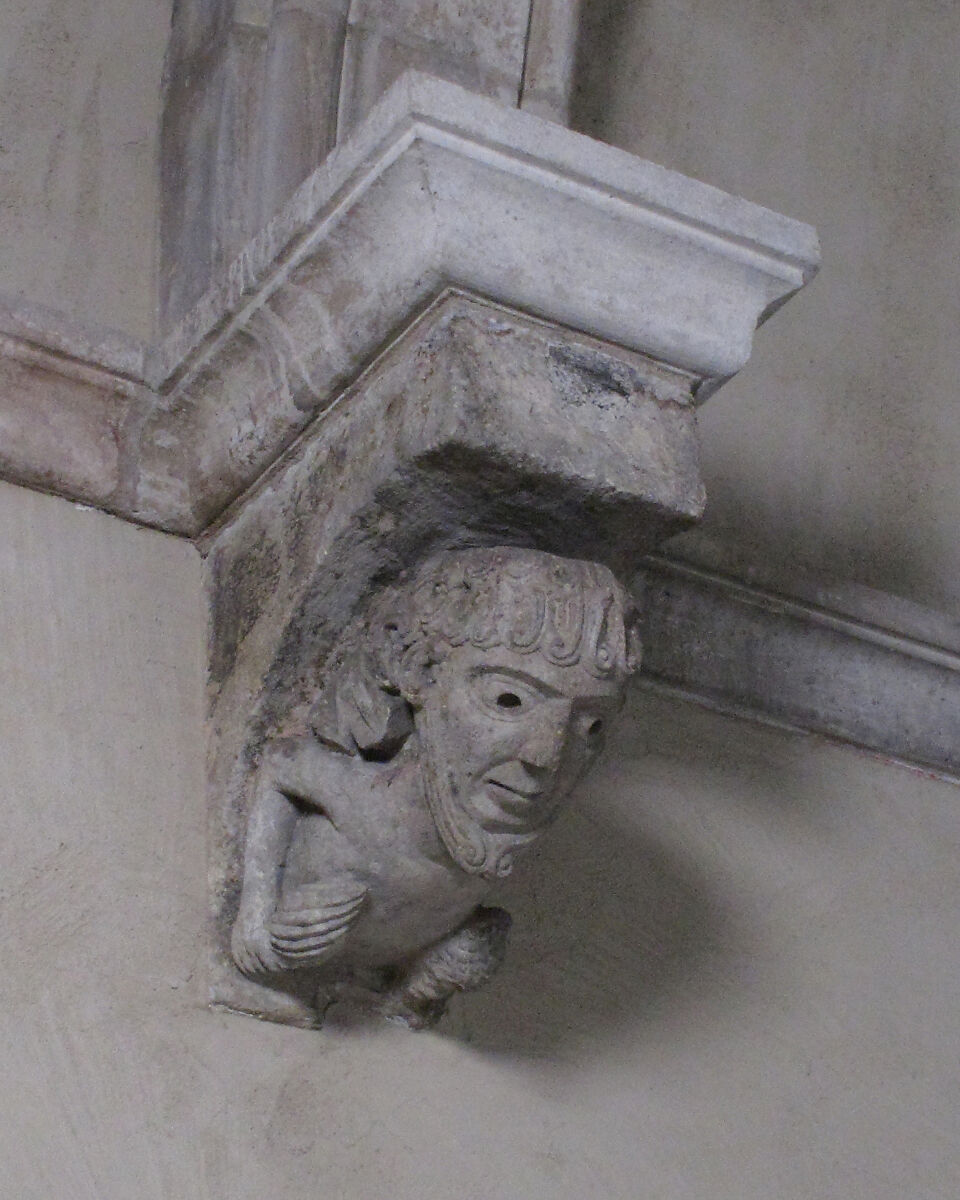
x=418, y=633
x=424, y=429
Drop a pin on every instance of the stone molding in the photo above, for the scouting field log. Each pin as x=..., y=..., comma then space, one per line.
x=442, y=206
x=437, y=189
x=786, y=659
x=72, y=403
x=104, y=419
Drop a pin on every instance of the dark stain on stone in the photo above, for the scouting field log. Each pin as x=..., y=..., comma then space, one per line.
x=584, y=376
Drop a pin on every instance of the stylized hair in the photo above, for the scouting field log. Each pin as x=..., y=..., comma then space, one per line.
x=527, y=601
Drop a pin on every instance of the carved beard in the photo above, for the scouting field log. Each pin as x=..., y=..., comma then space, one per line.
x=476, y=850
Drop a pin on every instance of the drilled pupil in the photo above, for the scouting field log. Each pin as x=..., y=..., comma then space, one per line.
x=594, y=727
x=508, y=700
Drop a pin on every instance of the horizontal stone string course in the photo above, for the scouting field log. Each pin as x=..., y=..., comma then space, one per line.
x=746, y=649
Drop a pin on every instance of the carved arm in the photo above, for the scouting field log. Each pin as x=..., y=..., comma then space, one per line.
x=269, y=830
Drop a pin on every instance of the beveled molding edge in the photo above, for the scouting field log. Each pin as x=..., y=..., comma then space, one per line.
x=785, y=660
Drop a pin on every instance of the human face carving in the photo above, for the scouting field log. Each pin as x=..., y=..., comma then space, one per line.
x=507, y=737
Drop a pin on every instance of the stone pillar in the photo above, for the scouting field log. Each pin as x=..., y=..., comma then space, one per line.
x=259, y=91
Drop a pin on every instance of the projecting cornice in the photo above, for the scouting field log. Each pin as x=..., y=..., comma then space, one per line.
x=437, y=190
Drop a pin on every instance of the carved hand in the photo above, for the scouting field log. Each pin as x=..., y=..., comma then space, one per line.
x=304, y=937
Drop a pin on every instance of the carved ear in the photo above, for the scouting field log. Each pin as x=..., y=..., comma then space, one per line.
x=356, y=715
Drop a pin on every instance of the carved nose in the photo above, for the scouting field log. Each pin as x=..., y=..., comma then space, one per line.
x=543, y=747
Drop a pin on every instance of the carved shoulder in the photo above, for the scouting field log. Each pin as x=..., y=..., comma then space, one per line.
x=298, y=767
x=315, y=776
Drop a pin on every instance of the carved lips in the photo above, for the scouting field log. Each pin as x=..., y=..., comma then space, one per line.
x=509, y=798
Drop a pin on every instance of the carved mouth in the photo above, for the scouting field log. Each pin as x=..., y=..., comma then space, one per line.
x=510, y=801
x=522, y=794
x=515, y=809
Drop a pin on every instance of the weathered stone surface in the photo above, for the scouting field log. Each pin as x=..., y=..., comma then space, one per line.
x=549, y=204
x=250, y=109
x=448, y=726
x=257, y=93
x=29, y=328
x=548, y=71
x=70, y=415
x=479, y=44
x=443, y=187
x=73, y=427
x=478, y=428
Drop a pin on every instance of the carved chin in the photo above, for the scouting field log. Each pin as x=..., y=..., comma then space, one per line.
x=475, y=849
x=472, y=847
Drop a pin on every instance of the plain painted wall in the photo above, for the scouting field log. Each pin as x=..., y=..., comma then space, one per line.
x=79, y=119
x=733, y=975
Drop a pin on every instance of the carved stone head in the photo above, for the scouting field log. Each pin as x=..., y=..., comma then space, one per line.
x=504, y=667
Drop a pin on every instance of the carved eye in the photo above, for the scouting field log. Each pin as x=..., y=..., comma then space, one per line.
x=505, y=696
x=595, y=728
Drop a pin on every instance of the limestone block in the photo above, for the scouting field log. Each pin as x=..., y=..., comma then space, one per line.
x=257, y=93
x=297, y=126
x=548, y=72
x=753, y=651
x=71, y=407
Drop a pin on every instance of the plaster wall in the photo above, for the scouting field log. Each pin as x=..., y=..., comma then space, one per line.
x=733, y=975
x=834, y=452
x=79, y=114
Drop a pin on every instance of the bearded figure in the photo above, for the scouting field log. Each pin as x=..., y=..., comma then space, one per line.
x=452, y=722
